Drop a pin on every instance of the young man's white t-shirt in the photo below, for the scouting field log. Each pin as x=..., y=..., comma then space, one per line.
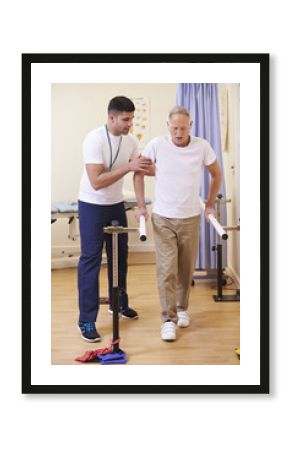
x=178, y=174
x=96, y=150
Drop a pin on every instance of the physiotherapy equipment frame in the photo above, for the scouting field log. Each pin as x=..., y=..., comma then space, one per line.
x=221, y=235
x=115, y=229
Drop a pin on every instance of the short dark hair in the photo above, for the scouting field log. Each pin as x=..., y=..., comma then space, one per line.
x=121, y=104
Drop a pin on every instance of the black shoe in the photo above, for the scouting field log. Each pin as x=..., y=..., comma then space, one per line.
x=89, y=332
x=126, y=313
x=129, y=313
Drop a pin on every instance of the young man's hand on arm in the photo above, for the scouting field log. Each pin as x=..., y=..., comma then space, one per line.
x=99, y=178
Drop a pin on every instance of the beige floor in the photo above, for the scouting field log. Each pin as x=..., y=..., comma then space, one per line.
x=212, y=337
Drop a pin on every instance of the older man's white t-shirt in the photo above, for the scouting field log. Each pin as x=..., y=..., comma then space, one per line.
x=96, y=150
x=178, y=175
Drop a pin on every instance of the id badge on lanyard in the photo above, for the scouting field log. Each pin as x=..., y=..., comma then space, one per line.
x=112, y=162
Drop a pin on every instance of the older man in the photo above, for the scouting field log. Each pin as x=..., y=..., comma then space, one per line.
x=178, y=161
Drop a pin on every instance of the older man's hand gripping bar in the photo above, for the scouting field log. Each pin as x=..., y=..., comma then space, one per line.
x=217, y=226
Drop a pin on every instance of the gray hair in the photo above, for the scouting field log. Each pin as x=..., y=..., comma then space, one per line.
x=178, y=110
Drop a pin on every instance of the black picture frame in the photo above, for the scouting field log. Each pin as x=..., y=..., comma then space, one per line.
x=263, y=61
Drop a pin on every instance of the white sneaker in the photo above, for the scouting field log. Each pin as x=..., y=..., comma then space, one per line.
x=168, y=331
x=183, y=319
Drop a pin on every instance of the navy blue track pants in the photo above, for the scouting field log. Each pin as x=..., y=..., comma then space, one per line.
x=92, y=220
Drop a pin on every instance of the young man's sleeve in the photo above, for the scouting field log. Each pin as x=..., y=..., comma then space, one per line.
x=92, y=150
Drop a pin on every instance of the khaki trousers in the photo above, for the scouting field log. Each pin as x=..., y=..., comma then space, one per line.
x=176, y=242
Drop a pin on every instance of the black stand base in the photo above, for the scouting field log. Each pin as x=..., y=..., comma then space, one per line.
x=116, y=351
x=227, y=298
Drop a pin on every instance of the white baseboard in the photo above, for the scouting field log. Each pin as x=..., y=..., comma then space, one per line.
x=232, y=273
x=58, y=251
x=69, y=251
x=63, y=257
x=64, y=262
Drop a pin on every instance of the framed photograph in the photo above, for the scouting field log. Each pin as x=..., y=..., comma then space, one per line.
x=225, y=346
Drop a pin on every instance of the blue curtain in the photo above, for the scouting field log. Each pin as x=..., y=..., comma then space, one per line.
x=200, y=99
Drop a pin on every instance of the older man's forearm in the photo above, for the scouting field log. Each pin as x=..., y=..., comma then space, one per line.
x=139, y=189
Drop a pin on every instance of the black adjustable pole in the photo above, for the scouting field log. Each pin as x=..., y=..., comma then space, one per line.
x=115, y=293
x=219, y=249
x=219, y=272
x=115, y=229
x=220, y=297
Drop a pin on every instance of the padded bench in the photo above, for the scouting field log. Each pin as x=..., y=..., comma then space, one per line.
x=68, y=209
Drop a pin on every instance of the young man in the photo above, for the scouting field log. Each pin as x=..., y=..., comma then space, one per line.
x=109, y=153
x=178, y=160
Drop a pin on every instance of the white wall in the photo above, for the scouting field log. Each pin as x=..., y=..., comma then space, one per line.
x=77, y=109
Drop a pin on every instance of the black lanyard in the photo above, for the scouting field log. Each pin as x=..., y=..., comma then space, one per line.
x=111, y=150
